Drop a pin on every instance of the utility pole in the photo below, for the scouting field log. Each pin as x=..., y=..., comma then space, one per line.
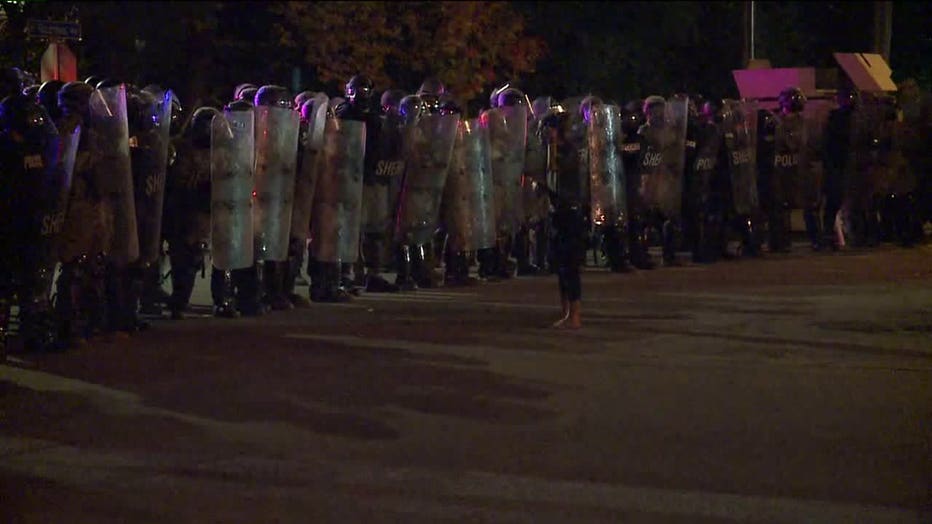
x=747, y=32
x=883, y=29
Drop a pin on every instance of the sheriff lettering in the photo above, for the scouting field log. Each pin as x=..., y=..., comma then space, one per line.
x=390, y=168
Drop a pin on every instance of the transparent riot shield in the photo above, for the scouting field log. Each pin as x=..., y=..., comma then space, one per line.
x=608, y=200
x=508, y=138
x=699, y=183
x=113, y=173
x=276, y=162
x=469, y=193
x=39, y=182
x=428, y=149
x=306, y=176
x=335, y=214
x=739, y=126
x=791, y=182
x=377, y=195
x=534, y=201
x=149, y=153
x=232, y=164
x=663, y=159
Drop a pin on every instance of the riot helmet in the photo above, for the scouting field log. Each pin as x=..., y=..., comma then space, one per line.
x=448, y=105
x=273, y=96
x=792, y=100
x=359, y=89
x=493, y=96
x=631, y=116
x=200, y=126
x=711, y=110
x=302, y=97
x=307, y=109
x=511, y=97
x=238, y=91
x=25, y=121
x=430, y=92
x=431, y=86
x=248, y=94
x=48, y=97
x=11, y=82
x=541, y=105
x=410, y=108
x=93, y=80
x=390, y=101
x=653, y=109
x=74, y=97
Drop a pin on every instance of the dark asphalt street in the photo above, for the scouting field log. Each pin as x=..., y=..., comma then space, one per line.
x=795, y=388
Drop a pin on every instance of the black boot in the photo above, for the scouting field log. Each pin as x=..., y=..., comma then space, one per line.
x=274, y=279
x=221, y=291
x=614, y=240
x=153, y=297
x=247, y=291
x=813, y=229
x=640, y=243
x=487, y=259
x=670, y=243
x=372, y=255
x=293, y=273
x=336, y=282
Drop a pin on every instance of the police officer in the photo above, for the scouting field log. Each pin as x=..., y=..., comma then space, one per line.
x=29, y=220
x=187, y=202
x=638, y=239
x=658, y=168
x=359, y=106
x=86, y=233
x=705, y=188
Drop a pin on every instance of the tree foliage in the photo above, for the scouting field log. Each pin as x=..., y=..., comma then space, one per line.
x=469, y=46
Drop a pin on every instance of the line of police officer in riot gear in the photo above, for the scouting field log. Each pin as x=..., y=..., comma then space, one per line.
x=98, y=177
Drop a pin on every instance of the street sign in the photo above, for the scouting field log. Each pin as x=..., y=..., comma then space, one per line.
x=53, y=29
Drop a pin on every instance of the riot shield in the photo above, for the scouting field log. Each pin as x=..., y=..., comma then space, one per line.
x=508, y=138
x=662, y=160
x=704, y=165
x=276, y=161
x=39, y=196
x=377, y=210
x=428, y=149
x=534, y=201
x=608, y=199
x=739, y=126
x=335, y=214
x=232, y=164
x=797, y=169
x=149, y=153
x=469, y=209
x=306, y=176
x=113, y=173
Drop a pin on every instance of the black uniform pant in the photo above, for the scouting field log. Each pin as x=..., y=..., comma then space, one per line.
x=80, y=297
x=186, y=260
x=569, y=249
